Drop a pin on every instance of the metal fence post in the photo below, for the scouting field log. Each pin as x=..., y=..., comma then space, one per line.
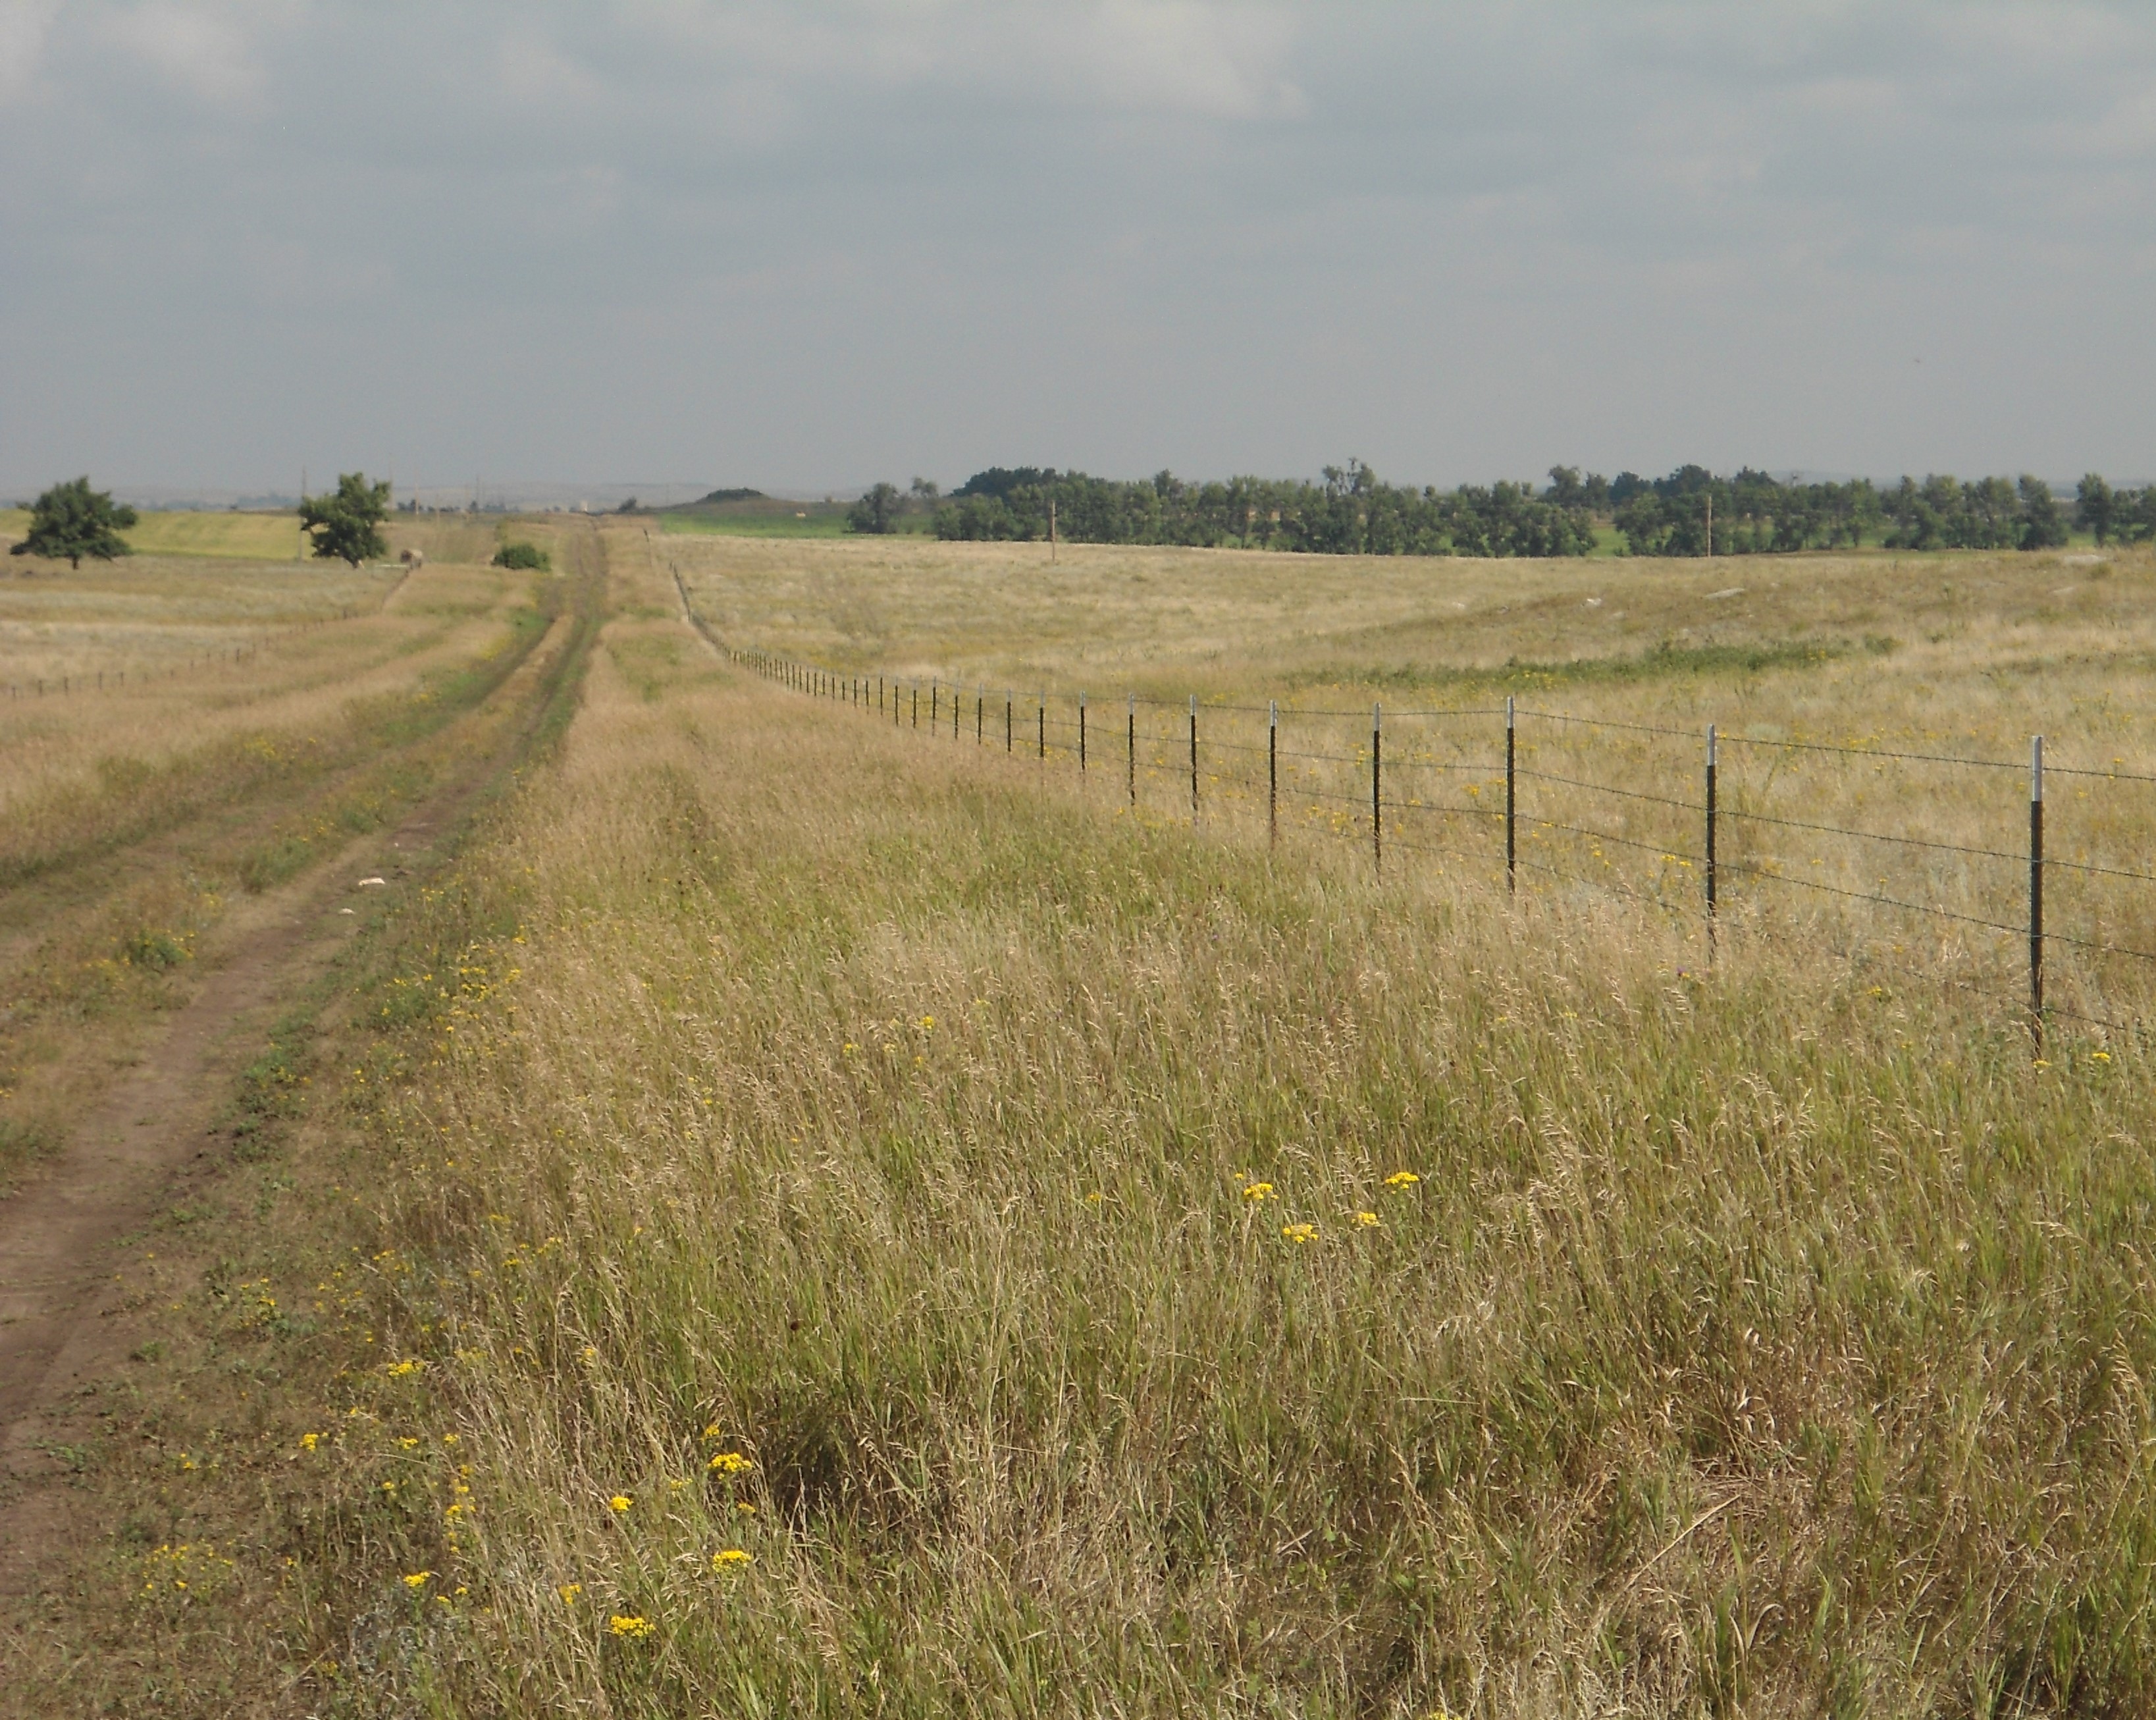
x=1194, y=758
x=1272, y=773
x=1040, y=721
x=980, y=713
x=1131, y=717
x=2036, y=892
x=1377, y=788
x=1710, y=835
x=1081, y=734
x=1010, y=702
x=1512, y=803
x=935, y=706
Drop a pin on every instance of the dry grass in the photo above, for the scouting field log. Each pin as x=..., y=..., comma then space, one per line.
x=250, y=719
x=1965, y=657
x=257, y=537
x=988, y=1169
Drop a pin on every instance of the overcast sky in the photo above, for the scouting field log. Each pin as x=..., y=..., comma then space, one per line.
x=805, y=245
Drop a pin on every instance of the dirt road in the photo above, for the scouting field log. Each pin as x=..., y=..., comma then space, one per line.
x=145, y=1144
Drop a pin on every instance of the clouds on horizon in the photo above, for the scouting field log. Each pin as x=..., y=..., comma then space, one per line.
x=815, y=243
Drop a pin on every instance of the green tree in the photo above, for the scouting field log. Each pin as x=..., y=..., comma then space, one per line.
x=2097, y=504
x=347, y=523
x=73, y=521
x=876, y=513
x=2043, y=520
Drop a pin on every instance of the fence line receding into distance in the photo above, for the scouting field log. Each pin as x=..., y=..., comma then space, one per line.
x=1698, y=822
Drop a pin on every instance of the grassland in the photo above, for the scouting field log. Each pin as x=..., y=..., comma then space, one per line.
x=815, y=1219
x=178, y=735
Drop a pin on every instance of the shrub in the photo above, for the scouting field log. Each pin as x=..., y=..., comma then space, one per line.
x=528, y=556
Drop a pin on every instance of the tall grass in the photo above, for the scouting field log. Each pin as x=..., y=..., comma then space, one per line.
x=1135, y=1277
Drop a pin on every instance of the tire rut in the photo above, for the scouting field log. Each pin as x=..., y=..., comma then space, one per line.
x=143, y=1147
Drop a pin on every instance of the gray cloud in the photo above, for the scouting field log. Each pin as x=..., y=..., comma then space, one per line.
x=809, y=245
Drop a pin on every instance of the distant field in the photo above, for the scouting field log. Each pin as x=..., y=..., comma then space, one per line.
x=1960, y=655
x=772, y=518
x=231, y=536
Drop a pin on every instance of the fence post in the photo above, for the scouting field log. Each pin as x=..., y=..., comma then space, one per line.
x=916, y=704
x=1131, y=717
x=1272, y=773
x=878, y=696
x=935, y=706
x=1710, y=835
x=1194, y=758
x=958, y=709
x=1081, y=734
x=1040, y=721
x=1377, y=788
x=2036, y=892
x=1512, y=803
x=980, y=713
x=1009, y=704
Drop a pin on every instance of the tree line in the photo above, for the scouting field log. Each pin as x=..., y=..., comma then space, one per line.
x=1350, y=511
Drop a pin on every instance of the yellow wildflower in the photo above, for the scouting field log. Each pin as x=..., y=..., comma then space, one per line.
x=621, y=1501
x=308, y=1441
x=1300, y=1233
x=732, y=1463
x=418, y=1579
x=398, y=1370
x=1367, y=1220
x=1258, y=1191
x=629, y=1624
x=569, y=1592
x=732, y=1555
x=1402, y=1179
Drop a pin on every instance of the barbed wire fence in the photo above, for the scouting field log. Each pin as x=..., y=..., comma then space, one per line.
x=1705, y=823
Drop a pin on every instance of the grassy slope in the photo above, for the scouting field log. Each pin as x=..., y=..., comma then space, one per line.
x=770, y=1083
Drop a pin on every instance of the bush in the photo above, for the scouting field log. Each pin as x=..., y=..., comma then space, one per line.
x=527, y=556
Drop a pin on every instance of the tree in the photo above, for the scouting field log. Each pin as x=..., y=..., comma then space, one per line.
x=925, y=491
x=73, y=521
x=344, y=525
x=876, y=513
x=2097, y=504
x=2043, y=520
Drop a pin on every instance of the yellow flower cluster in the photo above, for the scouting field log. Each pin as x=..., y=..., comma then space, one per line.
x=732, y=1556
x=630, y=1625
x=1300, y=1233
x=1258, y=1191
x=1402, y=1179
x=731, y=1463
